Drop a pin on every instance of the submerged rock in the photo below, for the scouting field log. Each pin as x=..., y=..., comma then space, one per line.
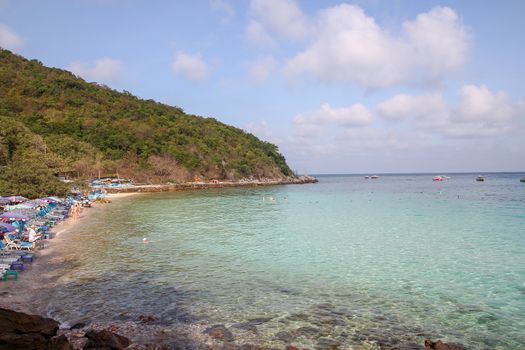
x=252, y=323
x=327, y=344
x=147, y=319
x=219, y=332
x=106, y=340
x=439, y=345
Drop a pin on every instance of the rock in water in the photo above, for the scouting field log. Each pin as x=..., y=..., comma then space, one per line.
x=23, y=331
x=219, y=332
x=105, y=340
x=439, y=345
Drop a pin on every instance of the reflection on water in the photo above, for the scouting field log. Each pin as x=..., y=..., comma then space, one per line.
x=346, y=261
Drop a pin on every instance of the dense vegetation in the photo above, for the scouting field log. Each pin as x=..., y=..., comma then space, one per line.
x=57, y=124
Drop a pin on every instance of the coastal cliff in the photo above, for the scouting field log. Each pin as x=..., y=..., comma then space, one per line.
x=57, y=124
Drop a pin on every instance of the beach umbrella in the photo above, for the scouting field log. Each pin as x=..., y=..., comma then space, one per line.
x=7, y=227
x=13, y=216
x=16, y=199
x=50, y=199
x=25, y=205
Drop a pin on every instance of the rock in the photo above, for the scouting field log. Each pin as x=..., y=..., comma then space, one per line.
x=328, y=344
x=298, y=317
x=105, y=340
x=291, y=347
x=59, y=343
x=78, y=325
x=252, y=323
x=23, y=331
x=20, y=323
x=219, y=332
x=307, y=331
x=147, y=319
x=247, y=326
x=439, y=345
x=285, y=336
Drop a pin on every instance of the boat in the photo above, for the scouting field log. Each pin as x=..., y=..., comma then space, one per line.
x=438, y=178
x=374, y=177
x=367, y=177
x=480, y=178
x=522, y=180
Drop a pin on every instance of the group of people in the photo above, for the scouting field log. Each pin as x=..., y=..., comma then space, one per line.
x=75, y=210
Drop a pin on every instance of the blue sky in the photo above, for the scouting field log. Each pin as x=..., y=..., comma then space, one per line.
x=340, y=87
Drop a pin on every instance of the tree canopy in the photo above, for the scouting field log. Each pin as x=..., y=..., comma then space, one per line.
x=82, y=129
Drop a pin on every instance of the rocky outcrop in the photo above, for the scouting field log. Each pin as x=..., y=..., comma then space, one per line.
x=22, y=331
x=290, y=180
x=439, y=345
x=105, y=340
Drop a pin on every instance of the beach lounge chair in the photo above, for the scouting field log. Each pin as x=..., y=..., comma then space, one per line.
x=14, y=244
x=15, y=255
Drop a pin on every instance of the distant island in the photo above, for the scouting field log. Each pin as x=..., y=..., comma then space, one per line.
x=56, y=124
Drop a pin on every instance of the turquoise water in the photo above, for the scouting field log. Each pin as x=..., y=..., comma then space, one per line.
x=374, y=262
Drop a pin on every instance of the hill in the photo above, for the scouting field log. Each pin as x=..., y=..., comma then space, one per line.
x=58, y=124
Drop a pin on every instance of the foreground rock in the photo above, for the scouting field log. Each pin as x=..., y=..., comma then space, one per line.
x=219, y=332
x=23, y=331
x=439, y=345
x=105, y=340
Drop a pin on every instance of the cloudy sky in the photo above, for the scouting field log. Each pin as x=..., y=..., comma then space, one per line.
x=340, y=87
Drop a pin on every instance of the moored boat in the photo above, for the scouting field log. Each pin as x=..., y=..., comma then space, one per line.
x=374, y=177
x=522, y=179
x=480, y=178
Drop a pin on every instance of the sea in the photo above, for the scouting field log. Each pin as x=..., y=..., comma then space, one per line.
x=348, y=263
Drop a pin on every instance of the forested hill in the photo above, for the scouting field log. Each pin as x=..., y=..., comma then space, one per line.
x=62, y=124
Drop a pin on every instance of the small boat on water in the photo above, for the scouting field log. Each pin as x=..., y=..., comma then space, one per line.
x=374, y=177
x=367, y=177
x=480, y=178
x=522, y=180
x=439, y=178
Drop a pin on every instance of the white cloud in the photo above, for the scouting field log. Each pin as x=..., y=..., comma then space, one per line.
x=191, y=67
x=354, y=116
x=283, y=18
x=258, y=36
x=9, y=39
x=479, y=112
x=261, y=69
x=105, y=70
x=350, y=46
x=224, y=8
x=261, y=130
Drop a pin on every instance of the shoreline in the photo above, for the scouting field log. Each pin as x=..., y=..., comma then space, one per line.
x=299, y=180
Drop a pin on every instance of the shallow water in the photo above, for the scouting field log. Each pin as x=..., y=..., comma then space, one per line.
x=348, y=260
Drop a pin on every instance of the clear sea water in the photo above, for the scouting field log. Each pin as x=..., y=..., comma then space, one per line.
x=348, y=260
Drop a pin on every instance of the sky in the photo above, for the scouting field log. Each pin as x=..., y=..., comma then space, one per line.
x=366, y=86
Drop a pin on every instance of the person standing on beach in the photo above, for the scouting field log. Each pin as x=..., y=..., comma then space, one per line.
x=33, y=236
